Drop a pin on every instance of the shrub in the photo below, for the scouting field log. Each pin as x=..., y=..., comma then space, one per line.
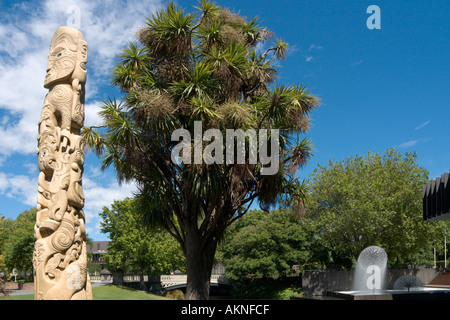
x=265, y=289
x=3, y=290
x=175, y=294
x=287, y=293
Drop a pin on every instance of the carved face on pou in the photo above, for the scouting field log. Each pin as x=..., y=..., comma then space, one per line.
x=67, y=57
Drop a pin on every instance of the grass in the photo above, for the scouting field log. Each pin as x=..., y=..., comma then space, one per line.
x=112, y=292
x=107, y=292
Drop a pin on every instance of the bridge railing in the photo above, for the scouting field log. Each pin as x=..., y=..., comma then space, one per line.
x=174, y=279
x=95, y=278
x=166, y=279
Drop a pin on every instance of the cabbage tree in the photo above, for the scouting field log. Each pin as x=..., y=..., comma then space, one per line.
x=216, y=69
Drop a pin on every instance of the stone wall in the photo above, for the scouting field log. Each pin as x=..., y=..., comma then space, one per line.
x=319, y=283
x=19, y=286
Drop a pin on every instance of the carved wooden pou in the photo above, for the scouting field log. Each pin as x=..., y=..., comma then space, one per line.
x=60, y=259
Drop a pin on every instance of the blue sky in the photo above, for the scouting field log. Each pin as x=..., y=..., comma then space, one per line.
x=381, y=88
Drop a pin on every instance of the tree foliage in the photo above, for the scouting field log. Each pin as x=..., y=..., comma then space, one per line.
x=135, y=248
x=265, y=245
x=369, y=200
x=18, y=242
x=2, y=245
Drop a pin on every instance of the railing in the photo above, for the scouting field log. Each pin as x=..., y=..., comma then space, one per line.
x=133, y=278
x=166, y=279
x=95, y=278
x=174, y=279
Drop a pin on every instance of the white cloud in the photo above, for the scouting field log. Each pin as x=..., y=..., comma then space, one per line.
x=19, y=187
x=32, y=168
x=408, y=144
x=292, y=50
x=26, y=32
x=313, y=46
x=356, y=63
x=107, y=26
x=422, y=125
x=91, y=117
x=93, y=171
x=23, y=189
x=98, y=196
x=3, y=182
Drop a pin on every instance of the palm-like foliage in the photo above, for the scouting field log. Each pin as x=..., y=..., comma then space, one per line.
x=206, y=67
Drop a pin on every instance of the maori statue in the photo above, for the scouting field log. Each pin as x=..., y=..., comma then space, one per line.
x=60, y=259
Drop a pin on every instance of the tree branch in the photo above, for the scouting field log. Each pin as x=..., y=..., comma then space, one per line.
x=251, y=199
x=161, y=173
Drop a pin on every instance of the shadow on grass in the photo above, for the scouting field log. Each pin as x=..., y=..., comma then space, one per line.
x=107, y=292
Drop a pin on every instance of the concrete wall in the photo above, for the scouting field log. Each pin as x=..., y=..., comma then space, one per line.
x=319, y=283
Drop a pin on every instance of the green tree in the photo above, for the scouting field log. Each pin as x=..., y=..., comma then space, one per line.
x=265, y=245
x=2, y=245
x=440, y=233
x=20, y=243
x=204, y=66
x=372, y=200
x=134, y=247
x=7, y=227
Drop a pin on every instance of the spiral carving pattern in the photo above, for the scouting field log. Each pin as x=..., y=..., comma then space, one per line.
x=60, y=94
x=63, y=238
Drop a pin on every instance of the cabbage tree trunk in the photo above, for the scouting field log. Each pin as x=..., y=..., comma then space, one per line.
x=200, y=259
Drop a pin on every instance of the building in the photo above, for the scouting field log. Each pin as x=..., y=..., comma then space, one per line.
x=436, y=199
x=97, y=250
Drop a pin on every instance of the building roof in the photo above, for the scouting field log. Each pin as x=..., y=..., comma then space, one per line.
x=105, y=272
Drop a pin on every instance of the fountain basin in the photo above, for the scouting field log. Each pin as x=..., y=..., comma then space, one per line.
x=422, y=293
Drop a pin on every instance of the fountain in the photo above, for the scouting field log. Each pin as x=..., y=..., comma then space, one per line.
x=369, y=282
x=370, y=272
x=408, y=282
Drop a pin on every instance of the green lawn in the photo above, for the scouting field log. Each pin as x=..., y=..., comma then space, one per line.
x=111, y=292
x=108, y=292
